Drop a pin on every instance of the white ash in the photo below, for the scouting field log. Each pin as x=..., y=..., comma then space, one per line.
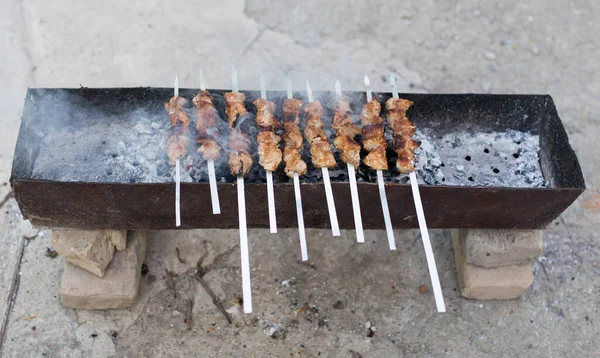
x=130, y=149
x=501, y=159
x=110, y=151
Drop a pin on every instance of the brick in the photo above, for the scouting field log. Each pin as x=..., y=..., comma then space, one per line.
x=118, y=238
x=500, y=283
x=117, y=289
x=88, y=249
x=494, y=248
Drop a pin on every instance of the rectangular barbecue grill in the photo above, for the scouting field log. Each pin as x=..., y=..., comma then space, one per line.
x=94, y=159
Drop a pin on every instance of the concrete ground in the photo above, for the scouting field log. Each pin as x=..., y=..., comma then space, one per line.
x=321, y=308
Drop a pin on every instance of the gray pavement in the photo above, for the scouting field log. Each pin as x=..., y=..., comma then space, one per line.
x=540, y=46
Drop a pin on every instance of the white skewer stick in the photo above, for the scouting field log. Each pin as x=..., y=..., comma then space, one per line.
x=433, y=273
x=234, y=81
x=303, y=249
x=202, y=86
x=177, y=194
x=212, y=178
x=245, y=255
x=382, y=196
x=360, y=236
x=299, y=212
x=246, y=284
x=270, y=191
x=335, y=228
x=177, y=171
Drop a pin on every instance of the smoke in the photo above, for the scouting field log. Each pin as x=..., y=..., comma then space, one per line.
x=119, y=135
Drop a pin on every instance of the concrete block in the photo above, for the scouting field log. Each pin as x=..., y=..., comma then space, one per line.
x=118, y=238
x=89, y=249
x=494, y=248
x=500, y=283
x=117, y=289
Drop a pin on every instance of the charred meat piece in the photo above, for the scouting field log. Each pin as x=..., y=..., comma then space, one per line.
x=265, y=115
x=292, y=138
x=206, y=126
x=320, y=150
x=268, y=150
x=179, y=133
x=234, y=106
x=374, y=136
x=403, y=130
x=346, y=131
x=240, y=159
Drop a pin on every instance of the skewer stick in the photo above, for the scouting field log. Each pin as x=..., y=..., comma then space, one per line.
x=360, y=236
x=246, y=284
x=212, y=178
x=303, y=249
x=245, y=255
x=299, y=212
x=234, y=81
x=270, y=191
x=177, y=193
x=382, y=196
x=335, y=228
x=433, y=273
x=177, y=171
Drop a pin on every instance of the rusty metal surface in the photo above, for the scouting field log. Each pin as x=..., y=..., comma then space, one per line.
x=139, y=206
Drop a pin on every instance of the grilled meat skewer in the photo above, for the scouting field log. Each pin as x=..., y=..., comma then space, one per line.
x=320, y=150
x=240, y=159
x=373, y=135
x=268, y=142
x=179, y=132
x=292, y=138
x=206, y=126
x=403, y=130
x=346, y=130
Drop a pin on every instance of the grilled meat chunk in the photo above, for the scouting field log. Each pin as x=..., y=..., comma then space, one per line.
x=293, y=162
x=210, y=150
x=177, y=144
x=234, y=106
x=350, y=149
x=370, y=113
x=268, y=150
x=376, y=159
x=175, y=109
x=291, y=110
x=240, y=159
x=320, y=153
x=265, y=115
